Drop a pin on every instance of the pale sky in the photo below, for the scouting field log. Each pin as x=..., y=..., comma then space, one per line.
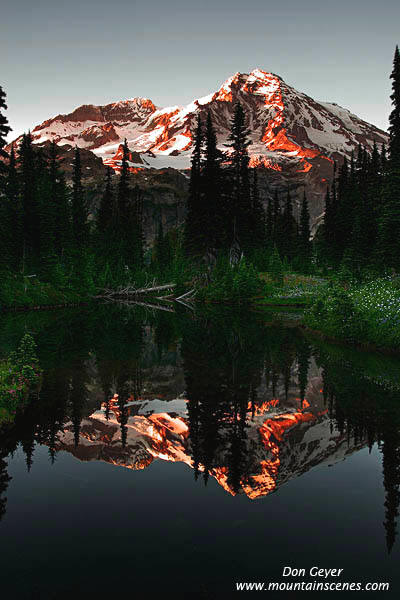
x=58, y=55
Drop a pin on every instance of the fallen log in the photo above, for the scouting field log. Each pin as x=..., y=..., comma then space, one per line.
x=186, y=295
x=130, y=291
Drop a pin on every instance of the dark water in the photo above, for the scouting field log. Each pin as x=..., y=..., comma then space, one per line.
x=235, y=447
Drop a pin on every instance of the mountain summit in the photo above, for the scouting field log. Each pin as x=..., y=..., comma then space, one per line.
x=294, y=136
x=288, y=128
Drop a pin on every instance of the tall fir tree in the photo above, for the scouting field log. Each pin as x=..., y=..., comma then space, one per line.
x=373, y=200
x=214, y=215
x=29, y=197
x=135, y=238
x=269, y=224
x=106, y=208
x=78, y=204
x=276, y=215
x=241, y=213
x=13, y=199
x=288, y=243
x=258, y=217
x=389, y=231
x=10, y=217
x=4, y=126
x=194, y=230
x=123, y=195
x=59, y=203
x=304, y=233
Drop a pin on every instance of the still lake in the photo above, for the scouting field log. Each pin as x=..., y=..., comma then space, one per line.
x=178, y=453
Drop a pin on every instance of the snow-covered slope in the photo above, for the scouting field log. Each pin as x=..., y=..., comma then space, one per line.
x=288, y=128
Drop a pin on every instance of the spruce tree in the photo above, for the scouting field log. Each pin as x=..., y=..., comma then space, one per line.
x=304, y=232
x=46, y=214
x=135, y=238
x=258, y=217
x=241, y=210
x=123, y=195
x=276, y=215
x=10, y=217
x=389, y=233
x=394, y=118
x=374, y=199
x=383, y=157
x=29, y=197
x=343, y=215
x=79, y=215
x=63, y=216
x=4, y=127
x=213, y=209
x=269, y=224
x=6, y=208
x=326, y=241
x=194, y=230
x=12, y=196
x=288, y=242
x=59, y=204
x=106, y=208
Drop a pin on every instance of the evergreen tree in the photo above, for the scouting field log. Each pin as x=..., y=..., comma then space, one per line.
x=5, y=205
x=304, y=359
x=269, y=224
x=276, y=229
x=194, y=241
x=59, y=204
x=106, y=208
x=78, y=396
x=258, y=216
x=45, y=215
x=343, y=217
x=383, y=157
x=288, y=241
x=373, y=200
x=4, y=481
x=30, y=209
x=304, y=233
x=79, y=215
x=135, y=237
x=4, y=127
x=391, y=479
x=123, y=195
x=389, y=233
x=241, y=213
x=10, y=225
x=214, y=216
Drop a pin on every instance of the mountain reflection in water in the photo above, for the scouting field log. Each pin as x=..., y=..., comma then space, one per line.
x=248, y=403
x=281, y=440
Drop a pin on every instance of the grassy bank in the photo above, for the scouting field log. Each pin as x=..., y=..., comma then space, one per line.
x=365, y=314
x=293, y=289
x=18, y=292
x=18, y=373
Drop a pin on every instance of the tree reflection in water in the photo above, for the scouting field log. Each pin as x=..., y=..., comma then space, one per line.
x=248, y=403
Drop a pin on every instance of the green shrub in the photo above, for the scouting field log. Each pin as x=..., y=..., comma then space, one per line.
x=232, y=283
x=367, y=313
x=19, y=372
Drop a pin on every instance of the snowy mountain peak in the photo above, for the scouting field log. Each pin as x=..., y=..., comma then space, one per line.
x=289, y=130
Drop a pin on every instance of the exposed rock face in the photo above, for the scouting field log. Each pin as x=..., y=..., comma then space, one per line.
x=295, y=137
